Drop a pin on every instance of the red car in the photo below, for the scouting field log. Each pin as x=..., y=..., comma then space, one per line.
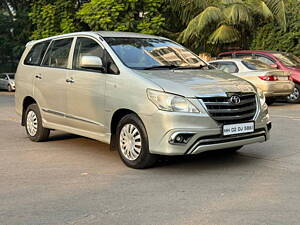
x=278, y=60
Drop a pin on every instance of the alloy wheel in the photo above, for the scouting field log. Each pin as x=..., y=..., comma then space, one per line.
x=295, y=95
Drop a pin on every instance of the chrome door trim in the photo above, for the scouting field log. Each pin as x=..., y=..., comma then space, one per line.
x=72, y=117
x=53, y=112
x=84, y=120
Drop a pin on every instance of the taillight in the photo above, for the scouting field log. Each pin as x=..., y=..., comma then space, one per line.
x=269, y=78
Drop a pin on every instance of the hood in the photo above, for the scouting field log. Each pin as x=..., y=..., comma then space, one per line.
x=191, y=83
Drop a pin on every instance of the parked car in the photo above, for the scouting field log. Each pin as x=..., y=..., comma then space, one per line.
x=278, y=60
x=143, y=94
x=7, y=81
x=274, y=83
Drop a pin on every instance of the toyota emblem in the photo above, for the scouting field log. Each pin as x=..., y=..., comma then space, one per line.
x=235, y=99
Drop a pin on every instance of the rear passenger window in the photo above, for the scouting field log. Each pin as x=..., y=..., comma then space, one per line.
x=36, y=54
x=58, y=53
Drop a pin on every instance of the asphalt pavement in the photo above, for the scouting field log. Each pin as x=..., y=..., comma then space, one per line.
x=71, y=180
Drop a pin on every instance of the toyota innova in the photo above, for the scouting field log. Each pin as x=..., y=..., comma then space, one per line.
x=143, y=94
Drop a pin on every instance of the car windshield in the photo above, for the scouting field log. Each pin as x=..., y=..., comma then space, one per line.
x=253, y=64
x=11, y=76
x=151, y=53
x=288, y=59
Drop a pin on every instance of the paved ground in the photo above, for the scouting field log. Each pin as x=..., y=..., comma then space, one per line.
x=78, y=181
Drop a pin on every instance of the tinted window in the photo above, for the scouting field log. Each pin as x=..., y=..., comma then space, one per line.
x=288, y=59
x=253, y=64
x=2, y=76
x=264, y=59
x=58, y=53
x=36, y=54
x=86, y=47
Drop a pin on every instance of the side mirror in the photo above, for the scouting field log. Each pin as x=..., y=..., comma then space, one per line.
x=91, y=62
x=275, y=66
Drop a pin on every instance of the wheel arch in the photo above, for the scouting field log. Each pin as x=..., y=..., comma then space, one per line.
x=27, y=101
x=117, y=116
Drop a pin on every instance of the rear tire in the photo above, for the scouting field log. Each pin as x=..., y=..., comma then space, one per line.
x=295, y=96
x=132, y=143
x=33, y=124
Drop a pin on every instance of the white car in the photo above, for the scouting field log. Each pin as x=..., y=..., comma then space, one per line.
x=274, y=83
x=7, y=81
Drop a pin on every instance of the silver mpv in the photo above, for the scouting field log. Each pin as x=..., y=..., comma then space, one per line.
x=143, y=94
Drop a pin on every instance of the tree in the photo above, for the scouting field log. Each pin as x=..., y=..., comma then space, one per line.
x=123, y=15
x=273, y=37
x=53, y=17
x=231, y=21
x=15, y=30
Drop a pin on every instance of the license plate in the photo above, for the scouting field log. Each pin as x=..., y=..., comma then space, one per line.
x=239, y=128
x=283, y=78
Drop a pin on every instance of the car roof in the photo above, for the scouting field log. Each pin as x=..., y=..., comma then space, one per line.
x=249, y=51
x=103, y=34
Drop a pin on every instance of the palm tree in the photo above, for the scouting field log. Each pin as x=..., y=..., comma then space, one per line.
x=228, y=21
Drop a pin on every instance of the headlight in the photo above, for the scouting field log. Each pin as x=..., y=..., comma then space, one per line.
x=170, y=102
x=261, y=96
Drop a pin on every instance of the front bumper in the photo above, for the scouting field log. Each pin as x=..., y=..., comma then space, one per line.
x=162, y=126
x=219, y=142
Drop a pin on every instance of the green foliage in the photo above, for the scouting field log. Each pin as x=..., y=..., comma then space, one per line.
x=231, y=21
x=52, y=17
x=123, y=15
x=15, y=30
x=272, y=37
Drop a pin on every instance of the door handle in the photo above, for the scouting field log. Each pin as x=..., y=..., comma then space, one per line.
x=70, y=80
x=38, y=76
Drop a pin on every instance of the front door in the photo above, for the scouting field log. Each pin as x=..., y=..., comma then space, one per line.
x=50, y=82
x=86, y=89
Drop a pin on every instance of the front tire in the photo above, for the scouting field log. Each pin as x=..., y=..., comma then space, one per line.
x=132, y=143
x=295, y=96
x=9, y=88
x=33, y=124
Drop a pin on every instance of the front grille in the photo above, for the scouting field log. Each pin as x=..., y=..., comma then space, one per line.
x=223, y=110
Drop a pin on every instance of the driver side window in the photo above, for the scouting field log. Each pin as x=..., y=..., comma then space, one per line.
x=86, y=47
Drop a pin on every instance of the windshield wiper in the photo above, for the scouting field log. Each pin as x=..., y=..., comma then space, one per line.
x=161, y=67
x=190, y=67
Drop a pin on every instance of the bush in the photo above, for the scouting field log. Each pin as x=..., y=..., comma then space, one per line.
x=272, y=37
